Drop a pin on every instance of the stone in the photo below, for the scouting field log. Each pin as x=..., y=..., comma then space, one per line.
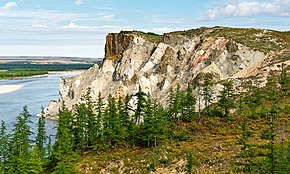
x=132, y=60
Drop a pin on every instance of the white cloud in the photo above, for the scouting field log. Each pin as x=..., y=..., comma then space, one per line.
x=78, y=2
x=9, y=5
x=250, y=9
x=72, y=25
x=162, y=30
x=102, y=28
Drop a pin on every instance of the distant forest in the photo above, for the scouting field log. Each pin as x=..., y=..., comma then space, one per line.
x=25, y=69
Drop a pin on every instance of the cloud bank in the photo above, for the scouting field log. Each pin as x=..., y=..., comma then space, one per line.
x=9, y=5
x=280, y=8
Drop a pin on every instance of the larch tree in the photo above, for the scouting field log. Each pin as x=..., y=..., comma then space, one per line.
x=4, y=147
x=207, y=93
x=40, y=138
x=62, y=154
x=188, y=104
x=20, y=143
x=225, y=99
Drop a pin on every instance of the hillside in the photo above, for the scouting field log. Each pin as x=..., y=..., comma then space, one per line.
x=158, y=63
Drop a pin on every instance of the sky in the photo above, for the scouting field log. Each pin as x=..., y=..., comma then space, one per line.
x=79, y=27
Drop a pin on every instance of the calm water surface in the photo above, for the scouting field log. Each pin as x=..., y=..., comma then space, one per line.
x=35, y=93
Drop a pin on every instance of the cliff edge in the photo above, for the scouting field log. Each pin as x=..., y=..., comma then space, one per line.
x=157, y=63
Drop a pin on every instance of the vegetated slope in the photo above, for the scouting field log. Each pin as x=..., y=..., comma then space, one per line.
x=158, y=63
x=211, y=143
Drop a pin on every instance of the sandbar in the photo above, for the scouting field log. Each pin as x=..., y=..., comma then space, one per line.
x=9, y=88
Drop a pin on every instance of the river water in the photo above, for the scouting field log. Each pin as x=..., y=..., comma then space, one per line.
x=35, y=93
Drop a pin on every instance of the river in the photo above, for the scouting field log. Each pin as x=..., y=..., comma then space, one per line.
x=35, y=93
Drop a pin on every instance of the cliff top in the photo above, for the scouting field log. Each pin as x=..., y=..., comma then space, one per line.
x=152, y=37
x=260, y=39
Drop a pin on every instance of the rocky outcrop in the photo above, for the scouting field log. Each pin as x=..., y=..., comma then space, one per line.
x=134, y=59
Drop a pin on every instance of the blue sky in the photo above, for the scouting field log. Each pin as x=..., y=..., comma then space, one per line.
x=79, y=27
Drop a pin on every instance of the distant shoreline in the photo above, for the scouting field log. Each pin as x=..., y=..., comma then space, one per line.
x=75, y=72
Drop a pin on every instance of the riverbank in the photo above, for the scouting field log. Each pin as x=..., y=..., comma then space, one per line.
x=75, y=72
x=9, y=88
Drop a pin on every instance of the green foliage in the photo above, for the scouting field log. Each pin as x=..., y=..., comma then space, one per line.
x=4, y=147
x=41, y=134
x=207, y=93
x=175, y=105
x=284, y=81
x=141, y=96
x=188, y=105
x=112, y=133
x=63, y=154
x=153, y=128
x=225, y=99
x=20, y=143
x=36, y=162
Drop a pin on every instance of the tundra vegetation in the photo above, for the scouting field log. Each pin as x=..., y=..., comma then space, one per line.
x=245, y=132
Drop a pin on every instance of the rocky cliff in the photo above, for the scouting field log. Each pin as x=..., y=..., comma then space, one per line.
x=157, y=63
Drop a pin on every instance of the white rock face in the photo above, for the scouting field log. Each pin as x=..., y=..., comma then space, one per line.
x=133, y=60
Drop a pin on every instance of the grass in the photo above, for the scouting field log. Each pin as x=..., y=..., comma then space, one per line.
x=262, y=40
x=258, y=39
x=152, y=37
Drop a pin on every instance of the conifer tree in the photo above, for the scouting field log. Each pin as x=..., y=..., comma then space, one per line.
x=35, y=162
x=140, y=105
x=112, y=131
x=4, y=147
x=98, y=126
x=207, y=93
x=63, y=154
x=41, y=134
x=80, y=126
x=284, y=80
x=20, y=143
x=188, y=105
x=175, y=104
x=171, y=114
x=91, y=118
x=270, y=134
x=126, y=122
x=252, y=99
x=246, y=158
x=226, y=99
x=153, y=129
x=49, y=146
